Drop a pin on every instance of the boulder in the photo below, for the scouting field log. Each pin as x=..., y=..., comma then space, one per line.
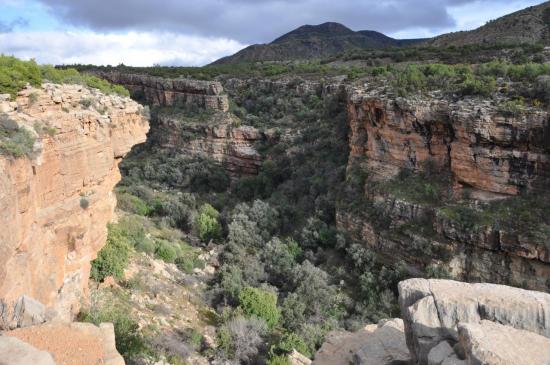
x=297, y=358
x=434, y=311
x=379, y=344
x=29, y=312
x=491, y=343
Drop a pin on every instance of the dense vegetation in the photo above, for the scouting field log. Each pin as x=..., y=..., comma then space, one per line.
x=282, y=282
x=287, y=276
x=15, y=74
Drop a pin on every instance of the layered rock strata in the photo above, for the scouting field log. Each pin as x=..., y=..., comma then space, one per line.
x=221, y=140
x=167, y=92
x=475, y=323
x=483, y=148
x=56, y=202
x=491, y=154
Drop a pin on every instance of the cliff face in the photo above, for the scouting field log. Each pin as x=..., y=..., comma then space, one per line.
x=166, y=92
x=483, y=148
x=219, y=139
x=56, y=205
x=490, y=155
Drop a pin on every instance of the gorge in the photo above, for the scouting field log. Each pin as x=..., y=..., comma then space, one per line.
x=383, y=205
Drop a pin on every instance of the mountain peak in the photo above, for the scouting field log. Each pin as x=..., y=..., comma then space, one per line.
x=324, y=29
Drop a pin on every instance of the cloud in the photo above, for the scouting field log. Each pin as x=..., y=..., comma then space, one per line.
x=132, y=48
x=7, y=27
x=252, y=21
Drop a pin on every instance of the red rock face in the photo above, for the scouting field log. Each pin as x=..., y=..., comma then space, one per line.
x=56, y=205
x=496, y=156
x=482, y=148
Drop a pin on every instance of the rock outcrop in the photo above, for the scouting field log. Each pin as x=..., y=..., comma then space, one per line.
x=166, y=92
x=56, y=202
x=379, y=344
x=476, y=323
x=494, y=156
x=483, y=148
x=220, y=139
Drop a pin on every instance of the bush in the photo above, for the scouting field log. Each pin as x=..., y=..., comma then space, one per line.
x=113, y=257
x=187, y=263
x=129, y=341
x=15, y=74
x=15, y=141
x=166, y=251
x=289, y=342
x=260, y=303
x=279, y=360
x=241, y=338
x=209, y=227
x=133, y=204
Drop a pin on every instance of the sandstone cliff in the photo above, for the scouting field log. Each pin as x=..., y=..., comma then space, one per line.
x=165, y=92
x=219, y=138
x=56, y=203
x=488, y=155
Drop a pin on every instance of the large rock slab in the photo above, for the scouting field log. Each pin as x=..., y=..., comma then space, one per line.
x=433, y=310
x=490, y=343
x=373, y=345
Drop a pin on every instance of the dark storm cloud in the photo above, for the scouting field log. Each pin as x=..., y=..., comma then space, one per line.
x=252, y=21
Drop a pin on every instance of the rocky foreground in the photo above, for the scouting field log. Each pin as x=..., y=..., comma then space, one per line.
x=451, y=323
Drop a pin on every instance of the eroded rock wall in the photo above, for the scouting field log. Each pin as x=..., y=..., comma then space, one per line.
x=56, y=204
x=219, y=138
x=166, y=92
x=493, y=155
x=482, y=147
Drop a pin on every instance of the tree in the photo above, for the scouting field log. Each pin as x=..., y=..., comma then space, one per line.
x=260, y=303
x=209, y=227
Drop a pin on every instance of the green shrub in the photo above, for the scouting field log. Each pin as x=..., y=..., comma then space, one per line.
x=113, y=257
x=129, y=341
x=17, y=141
x=279, y=360
x=166, y=251
x=146, y=245
x=133, y=204
x=291, y=341
x=209, y=227
x=187, y=263
x=260, y=303
x=86, y=102
x=15, y=74
x=512, y=107
x=84, y=202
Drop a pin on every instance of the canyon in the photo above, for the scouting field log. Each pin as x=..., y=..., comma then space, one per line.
x=60, y=200
x=488, y=156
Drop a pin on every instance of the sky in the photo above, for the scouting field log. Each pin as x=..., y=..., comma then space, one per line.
x=197, y=32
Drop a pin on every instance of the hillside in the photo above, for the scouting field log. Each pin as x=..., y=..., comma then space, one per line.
x=530, y=25
x=314, y=41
